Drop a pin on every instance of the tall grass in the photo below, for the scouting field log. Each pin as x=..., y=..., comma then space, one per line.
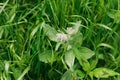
x=28, y=50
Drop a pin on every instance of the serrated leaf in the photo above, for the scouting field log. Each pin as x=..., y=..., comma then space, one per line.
x=69, y=58
x=104, y=73
x=50, y=32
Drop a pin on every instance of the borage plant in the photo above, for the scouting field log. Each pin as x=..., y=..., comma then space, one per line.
x=79, y=62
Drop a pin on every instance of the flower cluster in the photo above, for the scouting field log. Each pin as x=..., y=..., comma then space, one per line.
x=62, y=37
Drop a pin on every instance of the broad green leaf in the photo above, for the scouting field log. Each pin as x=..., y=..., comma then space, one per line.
x=69, y=58
x=46, y=56
x=85, y=64
x=67, y=76
x=76, y=39
x=104, y=73
x=87, y=53
x=82, y=60
x=50, y=32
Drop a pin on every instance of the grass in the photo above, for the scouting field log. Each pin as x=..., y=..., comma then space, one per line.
x=30, y=50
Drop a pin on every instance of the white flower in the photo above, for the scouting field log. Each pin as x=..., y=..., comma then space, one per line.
x=62, y=37
x=70, y=30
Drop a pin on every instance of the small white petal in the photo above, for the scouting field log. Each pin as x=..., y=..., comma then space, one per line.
x=62, y=37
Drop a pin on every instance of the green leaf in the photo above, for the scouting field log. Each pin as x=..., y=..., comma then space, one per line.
x=57, y=46
x=67, y=75
x=34, y=31
x=69, y=58
x=1, y=66
x=45, y=56
x=114, y=14
x=87, y=53
x=7, y=65
x=105, y=45
x=94, y=62
x=82, y=60
x=117, y=60
x=104, y=26
x=76, y=26
x=80, y=74
x=85, y=64
x=1, y=32
x=16, y=72
x=23, y=73
x=50, y=32
x=3, y=7
x=91, y=75
x=76, y=39
x=104, y=73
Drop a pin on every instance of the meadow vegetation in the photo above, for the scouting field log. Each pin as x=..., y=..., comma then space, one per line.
x=59, y=40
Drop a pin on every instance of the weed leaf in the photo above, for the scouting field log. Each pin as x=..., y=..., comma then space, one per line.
x=82, y=60
x=45, y=56
x=76, y=40
x=69, y=58
x=87, y=53
x=104, y=73
x=50, y=32
x=67, y=76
